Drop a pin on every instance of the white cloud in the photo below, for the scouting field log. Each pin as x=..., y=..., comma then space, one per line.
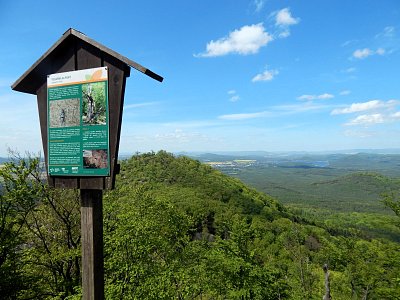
x=307, y=97
x=388, y=32
x=364, y=53
x=259, y=4
x=316, y=97
x=246, y=40
x=348, y=43
x=284, y=34
x=234, y=98
x=325, y=96
x=267, y=75
x=371, y=112
x=139, y=105
x=380, y=51
x=366, y=120
x=396, y=115
x=365, y=106
x=349, y=70
x=345, y=93
x=284, y=18
x=277, y=110
x=244, y=116
x=299, y=108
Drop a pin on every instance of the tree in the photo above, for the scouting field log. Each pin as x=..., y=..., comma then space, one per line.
x=145, y=242
x=392, y=201
x=17, y=200
x=40, y=234
x=53, y=233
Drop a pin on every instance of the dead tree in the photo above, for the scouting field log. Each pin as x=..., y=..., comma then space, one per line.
x=327, y=295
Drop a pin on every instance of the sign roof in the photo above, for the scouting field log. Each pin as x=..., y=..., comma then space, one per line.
x=34, y=77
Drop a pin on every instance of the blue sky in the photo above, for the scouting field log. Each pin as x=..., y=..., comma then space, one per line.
x=239, y=75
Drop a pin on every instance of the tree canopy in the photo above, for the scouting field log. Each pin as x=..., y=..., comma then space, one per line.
x=177, y=229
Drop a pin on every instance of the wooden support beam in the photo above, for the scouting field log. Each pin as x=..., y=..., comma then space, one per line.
x=92, y=244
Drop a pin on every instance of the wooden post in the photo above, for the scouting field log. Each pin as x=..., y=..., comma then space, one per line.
x=76, y=51
x=92, y=244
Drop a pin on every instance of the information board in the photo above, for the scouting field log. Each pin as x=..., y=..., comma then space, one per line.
x=77, y=123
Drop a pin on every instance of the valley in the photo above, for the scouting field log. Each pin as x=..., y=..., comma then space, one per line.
x=343, y=190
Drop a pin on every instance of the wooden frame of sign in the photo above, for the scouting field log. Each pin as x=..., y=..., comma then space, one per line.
x=76, y=51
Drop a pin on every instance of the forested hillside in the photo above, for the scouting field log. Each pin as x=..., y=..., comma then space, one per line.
x=177, y=229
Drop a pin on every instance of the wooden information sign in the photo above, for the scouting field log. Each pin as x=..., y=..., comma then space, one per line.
x=80, y=86
x=78, y=127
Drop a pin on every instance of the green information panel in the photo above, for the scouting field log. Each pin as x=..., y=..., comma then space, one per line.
x=77, y=118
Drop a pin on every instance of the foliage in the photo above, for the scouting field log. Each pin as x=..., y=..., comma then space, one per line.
x=392, y=200
x=40, y=238
x=16, y=202
x=177, y=229
x=235, y=243
x=97, y=92
x=175, y=217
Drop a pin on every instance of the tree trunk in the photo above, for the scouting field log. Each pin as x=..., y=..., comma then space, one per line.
x=327, y=295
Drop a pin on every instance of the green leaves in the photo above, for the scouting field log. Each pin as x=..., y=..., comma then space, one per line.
x=177, y=229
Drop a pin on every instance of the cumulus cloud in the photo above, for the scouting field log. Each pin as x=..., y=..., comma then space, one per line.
x=396, y=115
x=365, y=106
x=316, y=97
x=283, y=20
x=267, y=75
x=371, y=112
x=364, y=53
x=244, y=41
x=367, y=120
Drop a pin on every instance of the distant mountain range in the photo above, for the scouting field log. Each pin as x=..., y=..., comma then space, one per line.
x=231, y=155
x=290, y=153
x=3, y=160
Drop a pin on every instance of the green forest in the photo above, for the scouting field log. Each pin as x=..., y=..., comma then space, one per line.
x=175, y=228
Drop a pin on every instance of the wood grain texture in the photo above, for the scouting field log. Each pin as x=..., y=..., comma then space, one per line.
x=92, y=244
x=63, y=60
x=117, y=73
x=76, y=51
x=88, y=57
